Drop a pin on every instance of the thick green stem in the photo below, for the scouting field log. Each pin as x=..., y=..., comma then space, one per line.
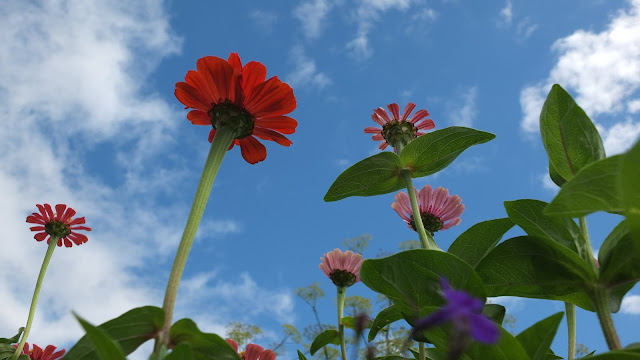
x=425, y=238
x=571, y=329
x=36, y=293
x=421, y=352
x=341, y=299
x=221, y=142
x=601, y=302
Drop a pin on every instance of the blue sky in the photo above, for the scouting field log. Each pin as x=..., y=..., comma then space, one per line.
x=89, y=119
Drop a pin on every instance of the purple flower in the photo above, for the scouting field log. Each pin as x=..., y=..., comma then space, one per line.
x=464, y=312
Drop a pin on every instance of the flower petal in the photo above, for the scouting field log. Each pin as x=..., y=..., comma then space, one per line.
x=407, y=110
x=483, y=329
x=219, y=75
x=267, y=134
x=395, y=110
x=190, y=97
x=252, y=150
x=199, y=117
x=281, y=124
x=253, y=74
x=271, y=98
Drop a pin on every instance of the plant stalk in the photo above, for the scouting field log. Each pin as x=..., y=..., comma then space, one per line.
x=571, y=329
x=341, y=299
x=426, y=239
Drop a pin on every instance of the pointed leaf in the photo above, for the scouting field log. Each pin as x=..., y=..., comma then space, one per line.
x=384, y=318
x=129, y=330
x=14, y=339
x=537, y=339
x=473, y=244
x=301, y=356
x=555, y=176
x=568, y=135
x=323, y=339
x=434, y=151
x=536, y=268
x=630, y=189
x=594, y=188
x=203, y=345
x=106, y=348
x=375, y=175
x=6, y=351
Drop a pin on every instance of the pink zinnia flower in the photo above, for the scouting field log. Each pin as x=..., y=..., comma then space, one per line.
x=396, y=128
x=60, y=224
x=438, y=210
x=38, y=354
x=343, y=268
x=253, y=352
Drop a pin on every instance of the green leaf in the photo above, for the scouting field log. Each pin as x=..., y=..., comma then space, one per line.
x=384, y=318
x=594, y=188
x=6, y=351
x=630, y=189
x=323, y=339
x=129, y=330
x=375, y=175
x=14, y=339
x=494, y=312
x=475, y=243
x=105, y=347
x=616, y=355
x=434, y=151
x=619, y=264
x=528, y=214
x=350, y=323
x=203, y=345
x=537, y=339
x=180, y=352
x=555, y=176
x=411, y=279
x=301, y=356
x=507, y=348
x=568, y=135
x=537, y=268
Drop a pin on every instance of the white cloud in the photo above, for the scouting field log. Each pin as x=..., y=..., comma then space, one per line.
x=511, y=303
x=463, y=111
x=506, y=13
x=264, y=19
x=620, y=137
x=602, y=69
x=547, y=183
x=305, y=72
x=312, y=15
x=631, y=305
x=633, y=106
x=525, y=29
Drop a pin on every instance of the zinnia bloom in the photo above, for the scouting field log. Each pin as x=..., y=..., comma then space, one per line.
x=343, y=268
x=225, y=93
x=60, y=224
x=438, y=210
x=465, y=313
x=253, y=352
x=397, y=129
x=38, y=354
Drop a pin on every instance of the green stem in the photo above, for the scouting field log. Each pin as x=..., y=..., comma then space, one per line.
x=221, y=142
x=571, y=329
x=589, y=253
x=425, y=238
x=36, y=293
x=341, y=299
x=421, y=352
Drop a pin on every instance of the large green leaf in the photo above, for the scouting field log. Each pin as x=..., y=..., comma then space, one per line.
x=528, y=214
x=538, y=268
x=495, y=312
x=323, y=339
x=129, y=330
x=375, y=175
x=473, y=244
x=507, y=348
x=14, y=339
x=105, y=347
x=203, y=345
x=6, y=351
x=630, y=189
x=181, y=352
x=384, y=318
x=434, y=151
x=411, y=279
x=568, y=135
x=616, y=355
x=594, y=188
x=537, y=339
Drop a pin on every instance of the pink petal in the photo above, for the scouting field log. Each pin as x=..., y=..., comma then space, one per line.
x=407, y=110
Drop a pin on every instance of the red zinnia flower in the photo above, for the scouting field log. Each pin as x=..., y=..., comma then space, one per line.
x=343, y=268
x=59, y=224
x=438, y=210
x=239, y=96
x=253, y=352
x=398, y=128
x=38, y=354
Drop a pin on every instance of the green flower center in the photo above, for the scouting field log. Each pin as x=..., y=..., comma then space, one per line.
x=342, y=278
x=431, y=223
x=57, y=229
x=399, y=133
x=227, y=114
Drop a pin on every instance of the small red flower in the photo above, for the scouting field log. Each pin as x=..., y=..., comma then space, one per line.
x=253, y=352
x=398, y=129
x=343, y=268
x=60, y=224
x=38, y=354
x=225, y=91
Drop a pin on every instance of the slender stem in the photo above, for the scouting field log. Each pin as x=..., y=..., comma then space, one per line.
x=571, y=329
x=341, y=298
x=425, y=238
x=421, y=352
x=589, y=252
x=221, y=141
x=601, y=302
x=36, y=293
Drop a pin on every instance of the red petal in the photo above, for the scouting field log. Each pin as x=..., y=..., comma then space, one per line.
x=37, y=352
x=77, y=221
x=234, y=61
x=40, y=236
x=395, y=110
x=47, y=207
x=199, y=81
x=199, y=117
x=268, y=355
x=253, y=74
x=252, y=150
x=281, y=124
x=67, y=243
x=36, y=219
x=37, y=228
x=190, y=97
x=271, y=98
x=233, y=344
x=372, y=130
x=267, y=134
x=220, y=73
x=407, y=110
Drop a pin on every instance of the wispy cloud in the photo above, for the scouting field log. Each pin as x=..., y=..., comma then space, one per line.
x=305, y=72
x=506, y=14
x=525, y=29
x=631, y=305
x=312, y=16
x=265, y=19
x=463, y=110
